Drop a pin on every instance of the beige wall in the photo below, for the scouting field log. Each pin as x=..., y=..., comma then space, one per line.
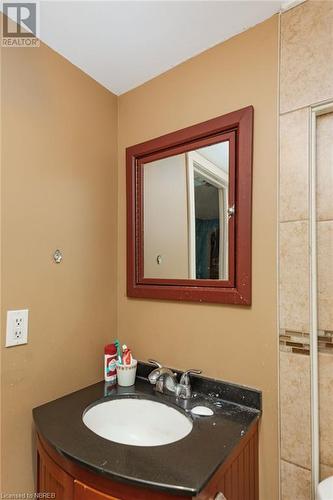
x=234, y=343
x=58, y=191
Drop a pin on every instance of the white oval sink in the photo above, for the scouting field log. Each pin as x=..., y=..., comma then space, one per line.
x=137, y=422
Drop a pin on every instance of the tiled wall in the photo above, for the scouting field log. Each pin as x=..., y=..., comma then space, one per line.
x=306, y=78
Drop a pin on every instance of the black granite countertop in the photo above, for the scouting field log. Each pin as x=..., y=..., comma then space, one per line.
x=183, y=467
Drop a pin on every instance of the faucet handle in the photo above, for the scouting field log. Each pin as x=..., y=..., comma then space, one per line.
x=185, y=379
x=154, y=362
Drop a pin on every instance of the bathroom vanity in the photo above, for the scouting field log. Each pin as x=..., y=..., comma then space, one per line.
x=217, y=459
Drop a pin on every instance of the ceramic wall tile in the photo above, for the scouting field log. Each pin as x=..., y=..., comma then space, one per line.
x=325, y=166
x=293, y=201
x=326, y=408
x=306, y=78
x=306, y=66
x=325, y=471
x=325, y=275
x=295, y=426
x=295, y=482
x=294, y=276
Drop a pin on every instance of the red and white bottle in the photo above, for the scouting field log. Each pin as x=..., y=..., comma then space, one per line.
x=110, y=367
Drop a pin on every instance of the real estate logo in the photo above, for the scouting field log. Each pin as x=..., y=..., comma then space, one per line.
x=20, y=24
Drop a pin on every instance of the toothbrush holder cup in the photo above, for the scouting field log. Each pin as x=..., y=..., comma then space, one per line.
x=126, y=373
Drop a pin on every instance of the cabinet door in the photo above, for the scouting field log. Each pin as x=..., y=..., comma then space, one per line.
x=84, y=492
x=52, y=479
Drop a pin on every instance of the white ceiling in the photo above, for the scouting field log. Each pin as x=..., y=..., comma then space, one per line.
x=122, y=44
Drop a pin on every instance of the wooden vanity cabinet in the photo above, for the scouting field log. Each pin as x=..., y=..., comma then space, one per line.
x=51, y=478
x=236, y=479
x=84, y=492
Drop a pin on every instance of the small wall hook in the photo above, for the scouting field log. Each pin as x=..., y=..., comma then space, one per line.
x=57, y=256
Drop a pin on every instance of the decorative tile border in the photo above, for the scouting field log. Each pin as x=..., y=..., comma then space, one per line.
x=299, y=342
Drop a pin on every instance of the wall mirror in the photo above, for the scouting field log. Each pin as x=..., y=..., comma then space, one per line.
x=189, y=213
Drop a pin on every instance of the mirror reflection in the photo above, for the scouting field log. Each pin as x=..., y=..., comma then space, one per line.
x=185, y=201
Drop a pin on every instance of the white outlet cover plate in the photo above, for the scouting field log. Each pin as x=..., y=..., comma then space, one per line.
x=17, y=327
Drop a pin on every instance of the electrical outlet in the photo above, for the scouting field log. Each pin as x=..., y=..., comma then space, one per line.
x=17, y=327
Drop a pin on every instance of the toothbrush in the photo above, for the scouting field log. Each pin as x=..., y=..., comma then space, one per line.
x=117, y=344
x=127, y=356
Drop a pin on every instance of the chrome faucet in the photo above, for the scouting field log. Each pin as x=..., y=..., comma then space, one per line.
x=165, y=380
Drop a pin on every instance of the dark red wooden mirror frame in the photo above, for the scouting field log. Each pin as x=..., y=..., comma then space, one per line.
x=237, y=127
